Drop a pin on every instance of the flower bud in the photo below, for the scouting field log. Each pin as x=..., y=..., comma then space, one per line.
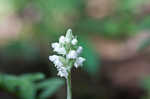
x=74, y=41
x=79, y=50
x=79, y=62
x=69, y=36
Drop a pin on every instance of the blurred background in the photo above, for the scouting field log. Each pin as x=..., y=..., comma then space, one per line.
x=115, y=35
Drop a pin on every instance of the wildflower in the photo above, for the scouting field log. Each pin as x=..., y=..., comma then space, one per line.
x=67, y=50
x=53, y=58
x=69, y=53
x=79, y=62
x=72, y=54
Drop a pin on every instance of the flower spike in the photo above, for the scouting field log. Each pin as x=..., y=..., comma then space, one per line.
x=65, y=49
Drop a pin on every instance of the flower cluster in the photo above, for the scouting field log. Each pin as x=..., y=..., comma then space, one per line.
x=68, y=54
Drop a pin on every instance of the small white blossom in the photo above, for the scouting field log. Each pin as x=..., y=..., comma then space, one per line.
x=79, y=62
x=72, y=54
x=57, y=48
x=55, y=45
x=62, y=72
x=62, y=40
x=58, y=63
x=74, y=41
x=55, y=59
x=79, y=50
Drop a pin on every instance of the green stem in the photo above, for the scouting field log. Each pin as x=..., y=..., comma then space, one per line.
x=69, y=93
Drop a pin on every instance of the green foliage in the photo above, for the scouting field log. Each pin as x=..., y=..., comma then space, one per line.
x=56, y=15
x=112, y=27
x=25, y=49
x=121, y=24
x=49, y=87
x=92, y=62
x=129, y=5
x=27, y=85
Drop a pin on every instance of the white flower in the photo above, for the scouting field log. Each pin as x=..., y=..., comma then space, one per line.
x=62, y=40
x=57, y=48
x=79, y=50
x=72, y=54
x=55, y=59
x=58, y=63
x=62, y=51
x=79, y=62
x=74, y=41
x=55, y=45
x=66, y=51
x=62, y=72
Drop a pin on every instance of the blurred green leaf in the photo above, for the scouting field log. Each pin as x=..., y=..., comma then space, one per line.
x=33, y=77
x=110, y=27
x=24, y=88
x=27, y=85
x=129, y=5
x=92, y=63
x=55, y=16
x=27, y=89
x=9, y=82
x=49, y=86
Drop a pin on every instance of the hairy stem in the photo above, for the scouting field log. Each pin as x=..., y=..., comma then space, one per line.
x=69, y=93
